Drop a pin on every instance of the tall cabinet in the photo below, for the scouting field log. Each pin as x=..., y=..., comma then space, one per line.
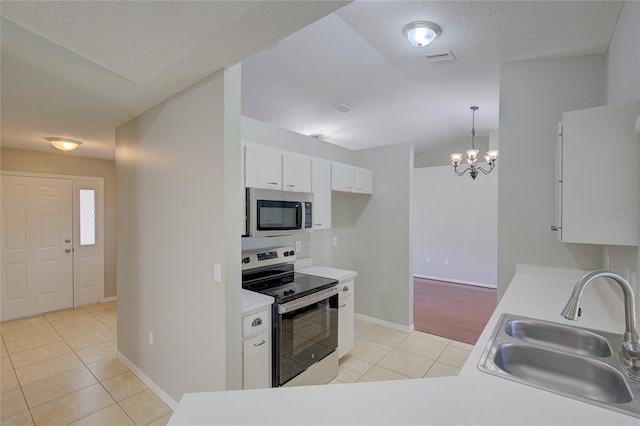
x=598, y=176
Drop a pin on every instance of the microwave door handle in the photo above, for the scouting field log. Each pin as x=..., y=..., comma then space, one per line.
x=308, y=300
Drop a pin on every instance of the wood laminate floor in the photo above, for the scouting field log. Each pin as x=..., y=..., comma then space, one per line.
x=455, y=311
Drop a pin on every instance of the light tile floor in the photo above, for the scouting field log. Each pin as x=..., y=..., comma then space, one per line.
x=381, y=353
x=60, y=369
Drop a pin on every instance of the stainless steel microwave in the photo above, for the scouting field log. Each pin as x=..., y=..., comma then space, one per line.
x=273, y=213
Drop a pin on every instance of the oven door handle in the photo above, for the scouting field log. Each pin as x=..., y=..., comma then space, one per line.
x=308, y=300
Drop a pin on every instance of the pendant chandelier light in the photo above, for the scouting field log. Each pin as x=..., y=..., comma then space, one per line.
x=472, y=155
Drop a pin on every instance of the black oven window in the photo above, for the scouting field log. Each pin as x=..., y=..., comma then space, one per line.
x=307, y=336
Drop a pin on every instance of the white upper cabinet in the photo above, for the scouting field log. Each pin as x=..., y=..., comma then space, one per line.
x=296, y=173
x=600, y=175
x=263, y=167
x=363, y=181
x=342, y=177
x=351, y=179
x=321, y=188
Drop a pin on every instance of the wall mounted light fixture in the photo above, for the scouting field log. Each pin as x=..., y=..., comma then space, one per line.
x=64, y=144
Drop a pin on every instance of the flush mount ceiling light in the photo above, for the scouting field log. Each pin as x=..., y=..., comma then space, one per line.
x=421, y=33
x=64, y=144
x=472, y=155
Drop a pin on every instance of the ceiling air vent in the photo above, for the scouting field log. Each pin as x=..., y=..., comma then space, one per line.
x=440, y=57
x=342, y=107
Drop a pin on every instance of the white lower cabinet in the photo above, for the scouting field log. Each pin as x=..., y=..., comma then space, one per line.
x=345, y=317
x=256, y=349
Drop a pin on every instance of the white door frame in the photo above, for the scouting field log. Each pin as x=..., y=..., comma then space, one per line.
x=97, y=183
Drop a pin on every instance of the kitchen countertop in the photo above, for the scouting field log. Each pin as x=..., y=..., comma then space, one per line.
x=321, y=271
x=252, y=301
x=472, y=397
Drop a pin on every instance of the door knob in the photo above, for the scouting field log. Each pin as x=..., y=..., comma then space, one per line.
x=67, y=251
x=67, y=241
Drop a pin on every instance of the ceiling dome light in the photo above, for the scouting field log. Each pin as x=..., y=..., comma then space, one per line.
x=65, y=145
x=421, y=33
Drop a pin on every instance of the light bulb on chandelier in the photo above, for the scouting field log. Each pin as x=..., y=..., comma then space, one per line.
x=472, y=155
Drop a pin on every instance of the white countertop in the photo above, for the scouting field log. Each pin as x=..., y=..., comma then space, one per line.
x=472, y=397
x=335, y=274
x=252, y=301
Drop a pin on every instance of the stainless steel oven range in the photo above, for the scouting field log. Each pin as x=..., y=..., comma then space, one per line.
x=305, y=317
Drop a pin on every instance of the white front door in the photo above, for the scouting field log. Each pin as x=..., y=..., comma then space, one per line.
x=37, y=246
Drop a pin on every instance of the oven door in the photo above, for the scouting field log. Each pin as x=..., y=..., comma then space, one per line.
x=307, y=332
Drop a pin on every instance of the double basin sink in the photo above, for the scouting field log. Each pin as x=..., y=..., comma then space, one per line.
x=575, y=362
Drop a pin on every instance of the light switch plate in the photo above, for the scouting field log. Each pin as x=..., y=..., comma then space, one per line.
x=335, y=241
x=298, y=246
x=217, y=273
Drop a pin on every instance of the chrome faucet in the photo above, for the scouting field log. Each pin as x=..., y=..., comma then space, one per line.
x=630, y=354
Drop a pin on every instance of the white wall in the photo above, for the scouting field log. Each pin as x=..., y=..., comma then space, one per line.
x=623, y=56
x=623, y=85
x=455, y=218
x=174, y=170
x=383, y=247
x=533, y=96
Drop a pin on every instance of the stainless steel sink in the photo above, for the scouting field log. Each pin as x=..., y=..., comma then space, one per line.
x=560, y=337
x=570, y=361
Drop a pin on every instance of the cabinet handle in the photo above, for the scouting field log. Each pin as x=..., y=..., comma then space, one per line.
x=342, y=306
x=318, y=224
x=67, y=250
x=260, y=344
x=555, y=228
x=272, y=183
x=291, y=186
x=256, y=322
x=345, y=288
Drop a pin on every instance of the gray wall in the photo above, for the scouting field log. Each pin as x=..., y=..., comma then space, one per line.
x=533, y=96
x=383, y=244
x=173, y=215
x=440, y=155
x=623, y=85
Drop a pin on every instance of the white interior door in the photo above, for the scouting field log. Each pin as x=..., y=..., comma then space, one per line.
x=88, y=270
x=37, y=247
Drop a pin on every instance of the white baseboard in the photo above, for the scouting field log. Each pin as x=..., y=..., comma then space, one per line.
x=147, y=381
x=457, y=281
x=400, y=327
x=109, y=299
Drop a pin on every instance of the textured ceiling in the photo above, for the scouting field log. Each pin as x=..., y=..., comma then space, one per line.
x=79, y=69
x=359, y=56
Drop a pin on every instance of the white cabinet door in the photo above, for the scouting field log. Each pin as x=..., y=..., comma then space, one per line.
x=601, y=175
x=363, y=181
x=296, y=173
x=321, y=188
x=346, y=318
x=263, y=167
x=342, y=177
x=256, y=368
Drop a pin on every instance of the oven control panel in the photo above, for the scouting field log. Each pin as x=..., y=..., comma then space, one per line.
x=267, y=257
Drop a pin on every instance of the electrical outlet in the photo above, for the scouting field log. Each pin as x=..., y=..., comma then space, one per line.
x=150, y=338
x=446, y=261
x=335, y=241
x=428, y=260
x=217, y=273
x=298, y=246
